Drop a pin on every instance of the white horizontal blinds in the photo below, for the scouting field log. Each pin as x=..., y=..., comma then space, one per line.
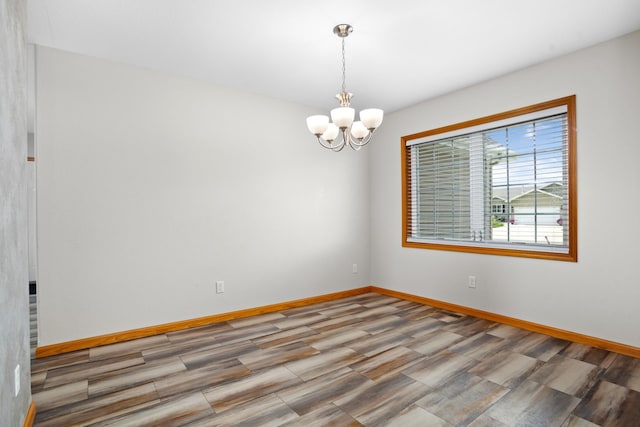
x=441, y=190
x=482, y=127
x=503, y=184
x=442, y=179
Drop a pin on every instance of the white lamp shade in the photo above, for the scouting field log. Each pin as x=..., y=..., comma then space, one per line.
x=358, y=130
x=317, y=124
x=331, y=133
x=343, y=116
x=371, y=117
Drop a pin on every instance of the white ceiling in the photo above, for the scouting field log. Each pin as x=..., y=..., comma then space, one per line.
x=401, y=51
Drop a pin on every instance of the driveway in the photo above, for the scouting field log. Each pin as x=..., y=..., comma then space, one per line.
x=551, y=234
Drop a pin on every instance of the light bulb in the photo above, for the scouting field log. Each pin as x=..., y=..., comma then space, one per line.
x=343, y=116
x=331, y=133
x=371, y=117
x=317, y=124
x=358, y=130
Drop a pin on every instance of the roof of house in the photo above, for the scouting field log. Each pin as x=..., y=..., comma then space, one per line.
x=516, y=191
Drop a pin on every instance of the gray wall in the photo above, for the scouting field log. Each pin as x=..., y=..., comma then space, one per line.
x=599, y=294
x=151, y=187
x=14, y=292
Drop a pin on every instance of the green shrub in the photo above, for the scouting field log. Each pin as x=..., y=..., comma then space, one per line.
x=495, y=223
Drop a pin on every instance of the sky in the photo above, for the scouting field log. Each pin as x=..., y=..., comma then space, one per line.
x=538, y=143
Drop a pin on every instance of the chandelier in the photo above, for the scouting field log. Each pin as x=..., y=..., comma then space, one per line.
x=355, y=134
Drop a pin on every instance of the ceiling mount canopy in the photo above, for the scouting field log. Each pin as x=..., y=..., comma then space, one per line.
x=342, y=30
x=355, y=134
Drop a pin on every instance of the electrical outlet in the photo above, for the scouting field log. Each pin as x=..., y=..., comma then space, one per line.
x=472, y=281
x=220, y=287
x=354, y=269
x=16, y=380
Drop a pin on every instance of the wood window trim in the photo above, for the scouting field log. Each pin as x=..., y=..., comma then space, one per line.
x=572, y=254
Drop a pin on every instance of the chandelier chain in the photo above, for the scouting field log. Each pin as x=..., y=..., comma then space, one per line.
x=344, y=69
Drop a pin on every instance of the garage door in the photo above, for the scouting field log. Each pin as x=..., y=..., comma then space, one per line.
x=546, y=215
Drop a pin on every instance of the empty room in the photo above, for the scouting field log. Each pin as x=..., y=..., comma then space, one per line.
x=266, y=213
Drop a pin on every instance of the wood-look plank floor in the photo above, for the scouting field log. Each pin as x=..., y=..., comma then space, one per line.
x=367, y=360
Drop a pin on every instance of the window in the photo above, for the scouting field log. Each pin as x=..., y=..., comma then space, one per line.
x=503, y=184
x=498, y=209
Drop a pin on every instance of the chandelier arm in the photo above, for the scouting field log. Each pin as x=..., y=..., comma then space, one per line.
x=343, y=142
x=346, y=136
x=324, y=143
x=339, y=147
x=354, y=147
x=328, y=145
x=364, y=141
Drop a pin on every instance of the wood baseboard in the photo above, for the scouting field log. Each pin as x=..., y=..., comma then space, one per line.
x=84, y=343
x=625, y=349
x=31, y=415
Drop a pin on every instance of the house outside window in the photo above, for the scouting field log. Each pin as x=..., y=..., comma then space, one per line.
x=503, y=184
